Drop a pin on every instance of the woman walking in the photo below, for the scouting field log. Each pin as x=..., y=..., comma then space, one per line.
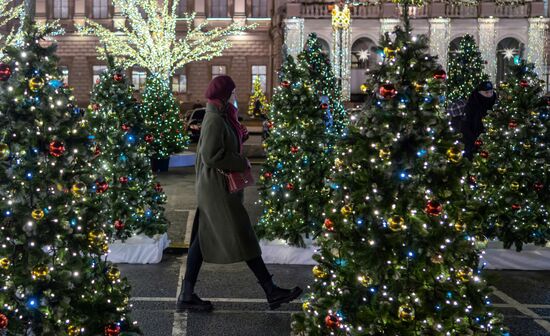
x=223, y=230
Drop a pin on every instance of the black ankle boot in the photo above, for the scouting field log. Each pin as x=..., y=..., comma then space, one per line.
x=277, y=296
x=187, y=300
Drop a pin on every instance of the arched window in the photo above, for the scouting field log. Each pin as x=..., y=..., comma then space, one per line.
x=325, y=47
x=453, y=46
x=363, y=55
x=509, y=51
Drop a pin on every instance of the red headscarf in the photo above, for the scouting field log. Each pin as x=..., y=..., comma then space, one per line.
x=218, y=93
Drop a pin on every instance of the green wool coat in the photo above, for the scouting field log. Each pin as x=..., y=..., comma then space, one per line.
x=225, y=232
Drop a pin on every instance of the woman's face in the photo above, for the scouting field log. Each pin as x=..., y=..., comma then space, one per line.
x=487, y=93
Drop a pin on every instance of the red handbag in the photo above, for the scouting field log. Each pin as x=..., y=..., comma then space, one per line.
x=237, y=181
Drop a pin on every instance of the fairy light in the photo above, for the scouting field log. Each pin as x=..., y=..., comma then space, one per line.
x=440, y=36
x=537, y=39
x=487, y=44
x=294, y=36
x=341, y=48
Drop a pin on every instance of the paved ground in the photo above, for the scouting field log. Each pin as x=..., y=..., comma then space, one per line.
x=523, y=297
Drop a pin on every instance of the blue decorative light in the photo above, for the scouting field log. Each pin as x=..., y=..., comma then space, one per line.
x=421, y=153
x=130, y=138
x=341, y=262
x=410, y=254
x=55, y=83
x=279, y=165
x=148, y=213
x=442, y=99
x=73, y=221
x=28, y=175
x=334, y=186
x=450, y=295
x=428, y=99
x=122, y=158
x=91, y=137
x=437, y=307
x=360, y=222
x=517, y=60
x=7, y=213
x=32, y=303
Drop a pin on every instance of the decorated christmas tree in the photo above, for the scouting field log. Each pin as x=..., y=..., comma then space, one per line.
x=163, y=120
x=395, y=257
x=133, y=198
x=258, y=105
x=465, y=70
x=292, y=180
x=53, y=275
x=511, y=177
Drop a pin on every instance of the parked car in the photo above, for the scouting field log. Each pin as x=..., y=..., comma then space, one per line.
x=194, y=123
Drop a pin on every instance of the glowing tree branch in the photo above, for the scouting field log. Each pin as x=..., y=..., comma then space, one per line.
x=9, y=12
x=149, y=40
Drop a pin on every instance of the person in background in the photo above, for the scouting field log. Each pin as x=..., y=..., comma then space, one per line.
x=223, y=232
x=480, y=101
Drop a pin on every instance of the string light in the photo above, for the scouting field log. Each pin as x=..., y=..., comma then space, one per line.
x=341, y=48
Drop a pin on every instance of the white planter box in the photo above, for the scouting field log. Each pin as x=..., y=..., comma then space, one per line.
x=279, y=252
x=138, y=249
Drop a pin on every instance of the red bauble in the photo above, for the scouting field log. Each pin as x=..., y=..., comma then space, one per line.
x=97, y=150
x=332, y=322
x=538, y=186
x=324, y=106
x=96, y=106
x=268, y=175
x=484, y=154
x=440, y=75
x=57, y=148
x=523, y=83
x=285, y=84
x=148, y=138
x=387, y=91
x=270, y=125
x=101, y=187
x=125, y=127
x=5, y=72
x=112, y=330
x=158, y=187
x=123, y=179
x=119, y=225
x=289, y=186
x=329, y=225
x=516, y=206
x=97, y=81
x=512, y=124
x=118, y=77
x=478, y=143
x=472, y=179
x=433, y=208
x=3, y=321
x=294, y=149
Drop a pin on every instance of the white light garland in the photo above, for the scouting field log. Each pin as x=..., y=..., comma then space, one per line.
x=294, y=36
x=536, y=43
x=440, y=37
x=487, y=44
x=341, y=49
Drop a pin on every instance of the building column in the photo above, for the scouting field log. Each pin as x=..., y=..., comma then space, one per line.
x=440, y=37
x=488, y=45
x=294, y=36
x=388, y=25
x=341, y=49
x=79, y=11
x=40, y=11
x=199, y=7
x=536, y=42
x=239, y=10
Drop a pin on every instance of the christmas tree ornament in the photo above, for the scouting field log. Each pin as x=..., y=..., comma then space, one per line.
x=387, y=91
x=4, y=263
x=502, y=170
x=460, y=226
x=437, y=259
x=4, y=151
x=512, y=124
x=113, y=274
x=37, y=214
x=319, y=273
x=125, y=127
x=73, y=330
x=96, y=106
x=524, y=83
x=538, y=186
x=118, y=77
x=365, y=280
x=96, y=237
x=36, y=83
x=516, y=206
x=420, y=85
x=293, y=149
x=97, y=151
x=484, y=154
x=268, y=175
x=79, y=189
x=406, y=313
x=158, y=187
x=123, y=179
x=332, y=321
x=140, y=212
x=478, y=143
x=346, y=210
x=55, y=83
x=390, y=51
x=3, y=321
x=464, y=274
x=324, y=106
x=364, y=87
x=40, y=272
x=57, y=148
x=526, y=145
x=440, y=75
x=112, y=330
x=289, y=186
x=433, y=208
x=396, y=223
x=285, y=84
x=101, y=186
x=384, y=153
x=5, y=72
x=119, y=225
x=306, y=305
x=328, y=224
x=454, y=154
x=514, y=185
x=148, y=138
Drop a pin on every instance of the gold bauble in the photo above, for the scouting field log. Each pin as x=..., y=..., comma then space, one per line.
x=514, y=185
x=405, y=313
x=73, y=331
x=140, y=212
x=40, y=272
x=104, y=247
x=492, y=131
x=338, y=162
x=384, y=153
x=396, y=223
x=526, y=145
x=96, y=237
x=264, y=145
x=464, y=274
x=113, y=274
x=389, y=52
x=37, y=214
x=481, y=185
x=36, y=83
x=460, y=226
x=364, y=88
x=79, y=189
x=502, y=170
x=346, y=210
x=365, y=280
x=318, y=272
x=437, y=259
x=535, y=113
x=454, y=154
x=305, y=305
x=4, y=151
x=5, y=263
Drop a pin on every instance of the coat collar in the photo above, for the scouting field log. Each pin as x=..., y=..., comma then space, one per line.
x=214, y=109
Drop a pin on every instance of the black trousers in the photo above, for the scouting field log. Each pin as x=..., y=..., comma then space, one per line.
x=194, y=262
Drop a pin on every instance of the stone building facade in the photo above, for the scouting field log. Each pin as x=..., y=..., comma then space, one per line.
x=503, y=31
